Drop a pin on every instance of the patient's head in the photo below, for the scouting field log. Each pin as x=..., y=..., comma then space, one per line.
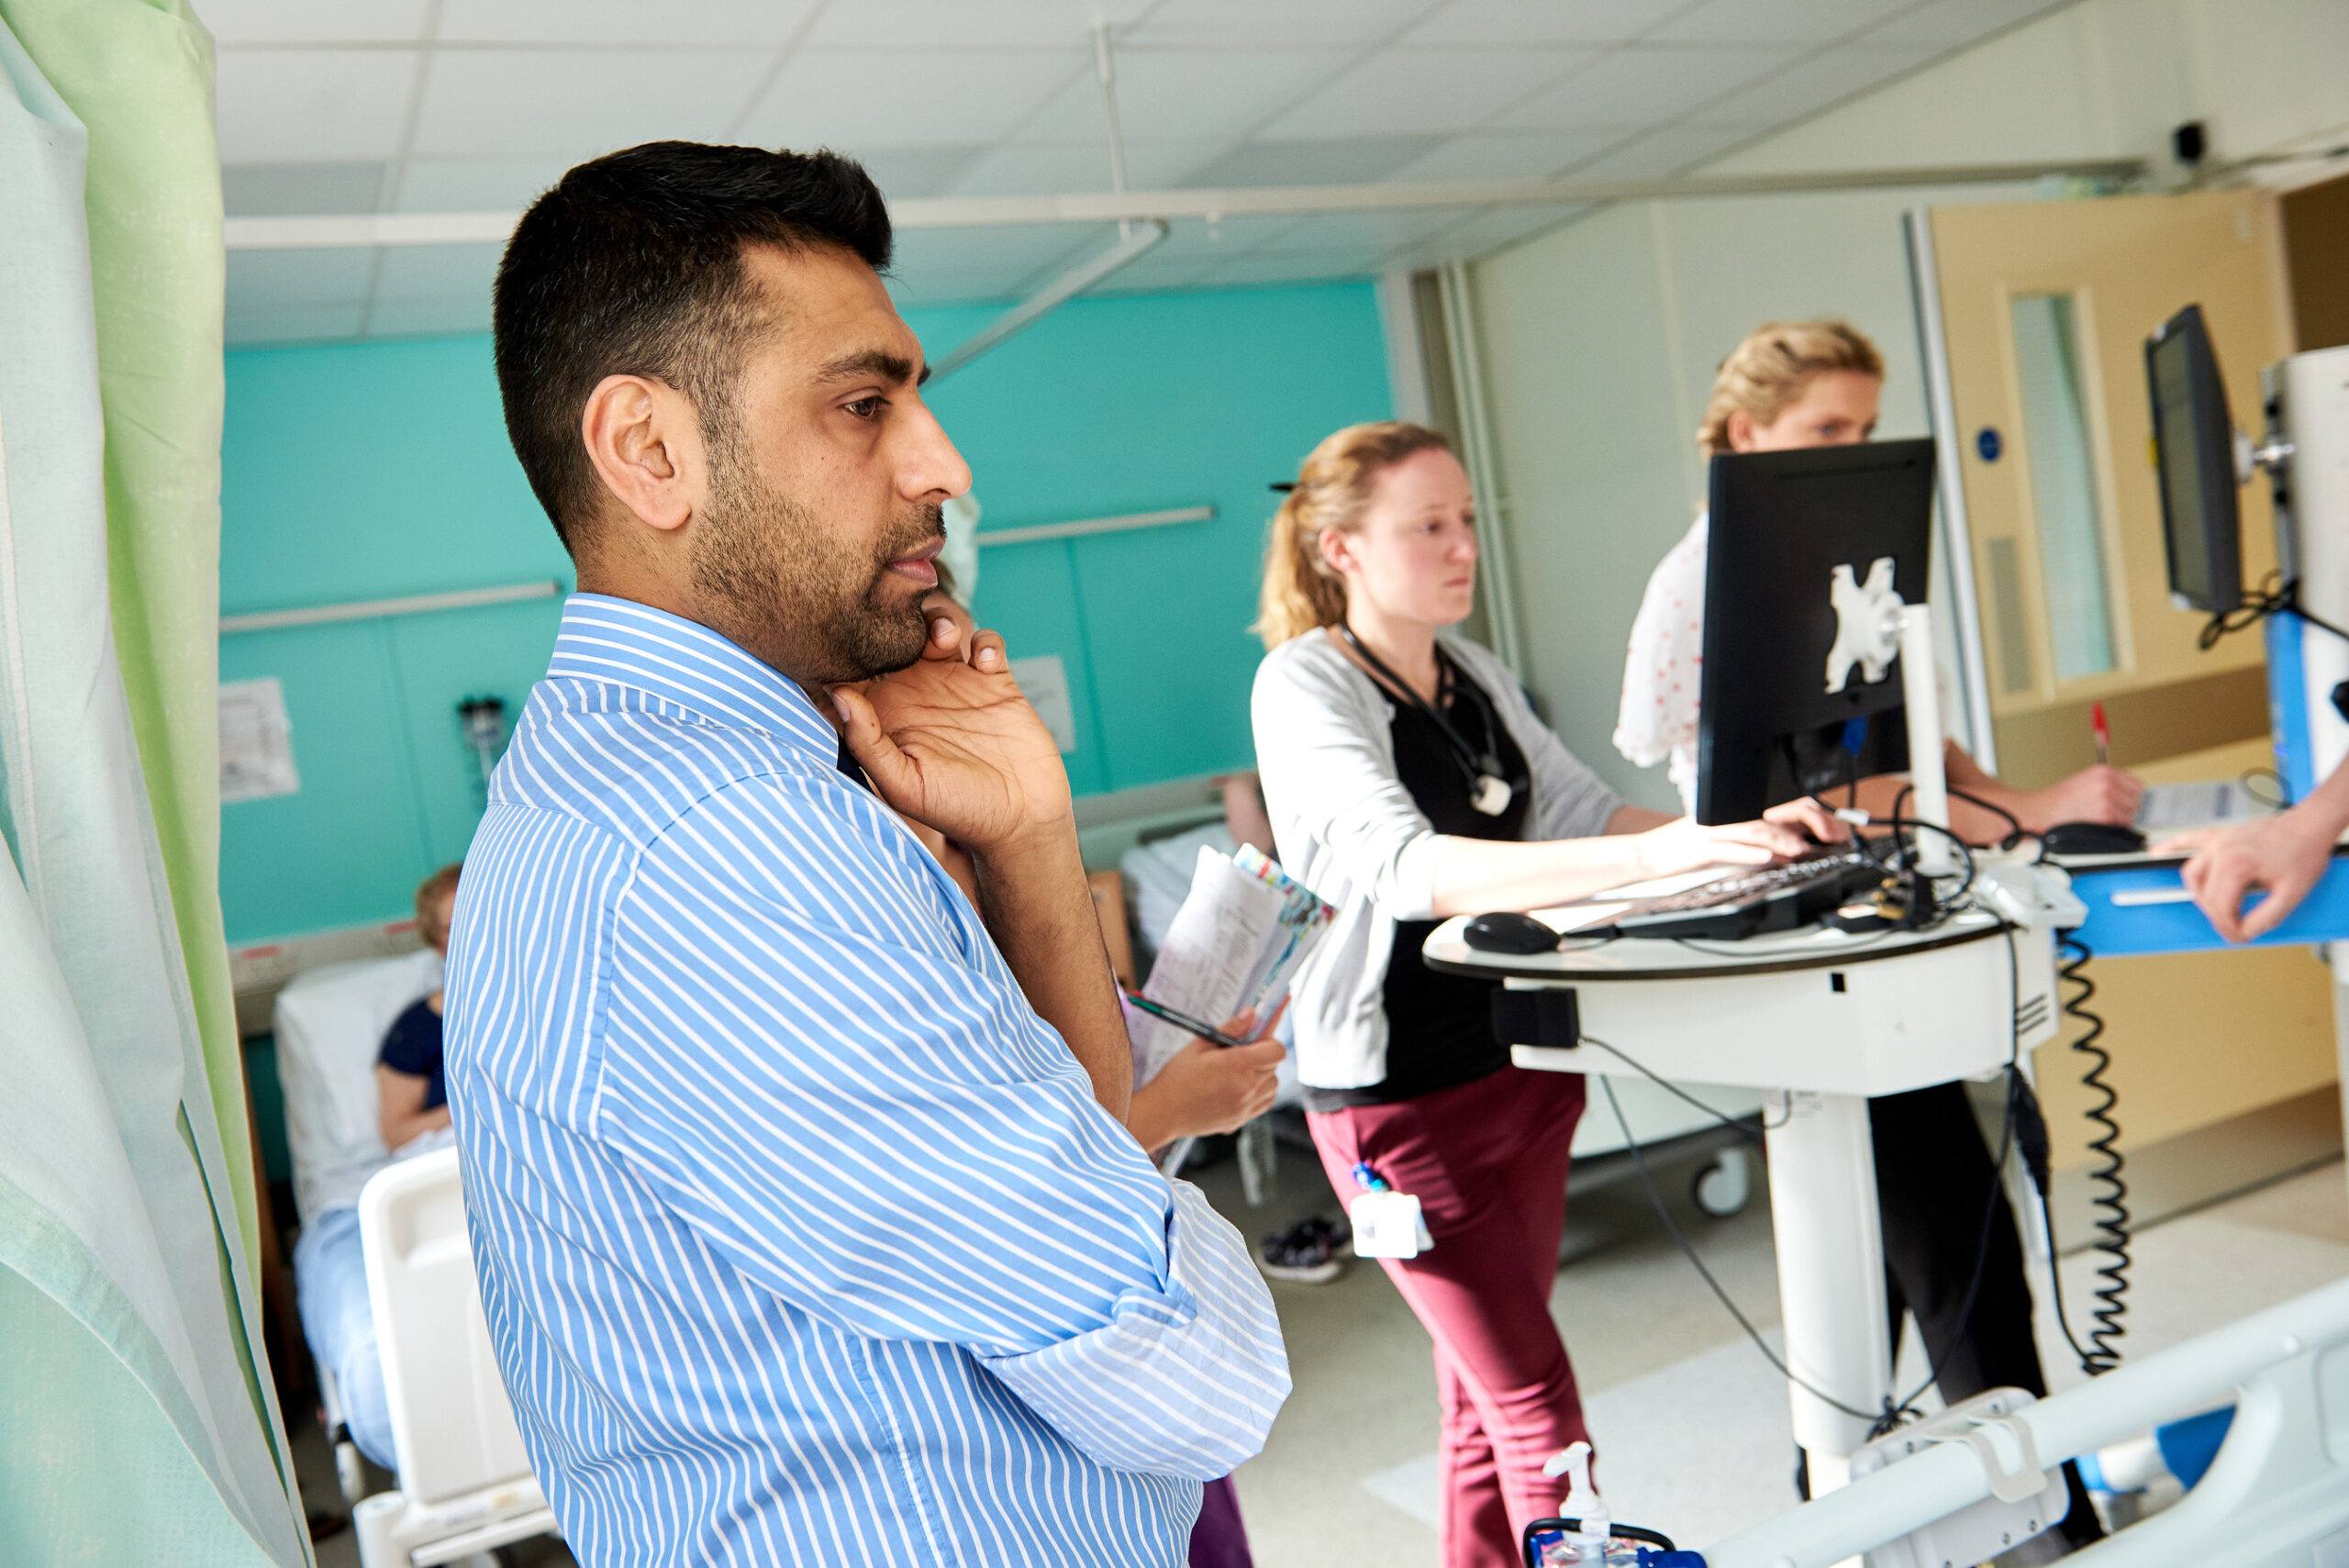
x=718, y=406
x=1794, y=384
x=436, y=906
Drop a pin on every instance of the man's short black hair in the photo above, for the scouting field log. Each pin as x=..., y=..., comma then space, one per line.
x=632, y=265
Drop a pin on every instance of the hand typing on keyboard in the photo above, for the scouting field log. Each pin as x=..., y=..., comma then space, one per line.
x=1785, y=833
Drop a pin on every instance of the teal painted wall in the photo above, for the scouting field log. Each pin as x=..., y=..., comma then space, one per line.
x=370, y=470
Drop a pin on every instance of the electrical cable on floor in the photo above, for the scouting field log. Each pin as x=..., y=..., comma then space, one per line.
x=1640, y=1164
x=1997, y=1180
x=2113, y=1222
x=1896, y=1413
x=1735, y=1124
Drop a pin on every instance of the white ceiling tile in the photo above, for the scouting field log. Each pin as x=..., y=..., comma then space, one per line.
x=904, y=98
x=1547, y=21
x=1641, y=86
x=1016, y=170
x=579, y=102
x=1506, y=155
x=1369, y=234
x=1017, y=249
x=1241, y=24
x=304, y=105
x=296, y=324
x=427, y=318
x=986, y=24
x=693, y=23
x=1256, y=270
x=309, y=21
x=478, y=184
x=437, y=272
x=1669, y=150
x=1772, y=21
x=905, y=173
x=1178, y=93
x=277, y=190
x=1481, y=236
x=1422, y=89
x=262, y=281
x=1194, y=239
x=1954, y=22
x=1323, y=160
x=1812, y=85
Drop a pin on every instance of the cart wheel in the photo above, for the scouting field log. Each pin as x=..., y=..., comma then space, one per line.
x=1722, y=1185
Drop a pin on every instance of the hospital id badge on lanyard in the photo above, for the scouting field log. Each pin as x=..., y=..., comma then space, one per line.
x=1386, y=1224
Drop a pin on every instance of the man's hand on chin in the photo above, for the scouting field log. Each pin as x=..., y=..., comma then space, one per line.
x=954, y=746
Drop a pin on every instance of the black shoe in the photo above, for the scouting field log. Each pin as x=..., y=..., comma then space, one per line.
x=1306, y=1254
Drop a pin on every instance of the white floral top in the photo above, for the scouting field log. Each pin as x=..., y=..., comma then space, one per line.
x=1663, y=665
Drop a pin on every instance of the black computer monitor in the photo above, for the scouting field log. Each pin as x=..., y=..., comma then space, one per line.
x=1769, y=729
x=2194, y=448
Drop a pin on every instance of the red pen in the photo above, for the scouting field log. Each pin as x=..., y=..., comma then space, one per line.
x=2103, y=736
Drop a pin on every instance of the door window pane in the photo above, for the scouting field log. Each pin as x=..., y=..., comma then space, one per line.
x=2057, y=449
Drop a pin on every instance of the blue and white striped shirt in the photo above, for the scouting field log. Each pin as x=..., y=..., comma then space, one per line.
x=801, y=1236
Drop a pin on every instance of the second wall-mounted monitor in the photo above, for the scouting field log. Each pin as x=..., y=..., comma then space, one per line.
x=2194, y=448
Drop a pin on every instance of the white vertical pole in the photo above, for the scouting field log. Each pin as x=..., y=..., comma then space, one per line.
x=1830, y=1241
x=1954, y=536
x=1920, y=691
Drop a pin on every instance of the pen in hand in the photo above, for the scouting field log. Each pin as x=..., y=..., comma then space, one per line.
x=1182, y=1020
x=2103, y=736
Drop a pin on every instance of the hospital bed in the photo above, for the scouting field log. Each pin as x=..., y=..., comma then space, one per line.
x=463, y=1483
x=2276, y=1496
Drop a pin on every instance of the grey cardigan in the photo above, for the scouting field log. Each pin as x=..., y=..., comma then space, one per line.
x=1348, y=829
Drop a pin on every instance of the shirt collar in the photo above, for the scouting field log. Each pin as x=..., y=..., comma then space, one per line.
x=621, y=642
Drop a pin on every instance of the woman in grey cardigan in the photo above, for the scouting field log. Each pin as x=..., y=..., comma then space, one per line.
x=1407, y=780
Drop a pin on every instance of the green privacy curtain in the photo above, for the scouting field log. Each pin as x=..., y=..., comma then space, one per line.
x=135, y=1429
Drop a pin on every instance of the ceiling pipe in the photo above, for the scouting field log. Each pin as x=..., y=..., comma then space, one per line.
x=370, y=230
x=1145, y=237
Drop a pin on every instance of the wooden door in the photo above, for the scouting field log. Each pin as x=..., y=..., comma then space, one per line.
x=2045, y=308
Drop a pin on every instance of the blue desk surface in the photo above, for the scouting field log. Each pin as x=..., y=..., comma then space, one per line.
x=2118, y=929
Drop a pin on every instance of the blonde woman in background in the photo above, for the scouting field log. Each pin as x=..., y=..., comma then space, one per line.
x=1407, y=780
x=1804, y=383
x=1952, y=1255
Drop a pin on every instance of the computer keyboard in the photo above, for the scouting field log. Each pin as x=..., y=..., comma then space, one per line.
x=1748, y=903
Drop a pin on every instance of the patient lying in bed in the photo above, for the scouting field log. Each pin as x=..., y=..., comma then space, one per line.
x=329, y=1269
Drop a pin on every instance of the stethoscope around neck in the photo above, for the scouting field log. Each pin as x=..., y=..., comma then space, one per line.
x=1488, y=792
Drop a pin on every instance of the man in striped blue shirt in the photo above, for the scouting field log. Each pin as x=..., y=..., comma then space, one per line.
x=806, y=1226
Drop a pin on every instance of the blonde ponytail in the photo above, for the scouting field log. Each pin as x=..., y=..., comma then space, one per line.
x=1768, y=372
x=1301, y=592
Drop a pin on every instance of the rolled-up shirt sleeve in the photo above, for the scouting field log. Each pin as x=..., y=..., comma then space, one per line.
x=858, y=1111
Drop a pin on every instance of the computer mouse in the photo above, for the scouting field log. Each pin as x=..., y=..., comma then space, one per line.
x=1506, y=931
x=2092, y=839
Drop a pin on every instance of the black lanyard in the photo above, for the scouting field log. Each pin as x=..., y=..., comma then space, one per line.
x=1488, y=792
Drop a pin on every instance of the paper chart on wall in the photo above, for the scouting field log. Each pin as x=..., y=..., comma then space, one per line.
x=256, y=741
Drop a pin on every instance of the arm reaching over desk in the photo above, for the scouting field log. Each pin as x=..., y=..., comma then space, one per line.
x=2284, y=855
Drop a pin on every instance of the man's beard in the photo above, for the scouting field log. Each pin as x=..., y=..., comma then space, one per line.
x=813, y=606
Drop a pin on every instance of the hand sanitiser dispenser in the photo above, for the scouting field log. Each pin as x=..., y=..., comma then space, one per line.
x=1585, y=1536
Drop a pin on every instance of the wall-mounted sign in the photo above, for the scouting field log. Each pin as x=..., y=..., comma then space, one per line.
x=1043, y=681
x=256, y=741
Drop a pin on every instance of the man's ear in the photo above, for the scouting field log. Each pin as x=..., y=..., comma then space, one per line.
x=644, y=439
x=1738, y=430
